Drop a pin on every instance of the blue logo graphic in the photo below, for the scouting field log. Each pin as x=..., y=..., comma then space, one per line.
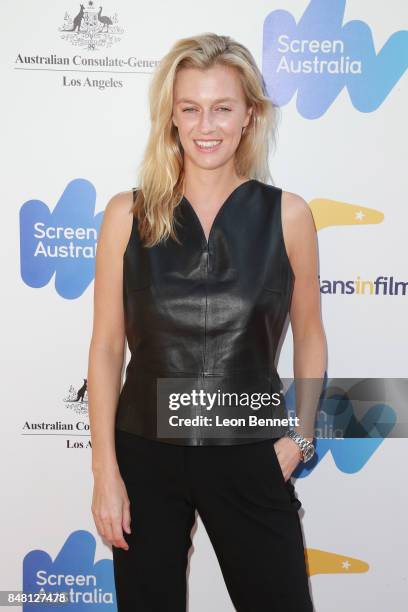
x=319, y=56
x=359, y=440
x=88, y=585
x=63, y=241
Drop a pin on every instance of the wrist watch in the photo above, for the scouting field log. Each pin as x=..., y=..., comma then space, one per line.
x=307, y=449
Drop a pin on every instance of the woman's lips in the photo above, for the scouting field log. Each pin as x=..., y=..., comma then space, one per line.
x=208, y=146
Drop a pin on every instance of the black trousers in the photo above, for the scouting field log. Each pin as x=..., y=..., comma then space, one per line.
x=249, y=512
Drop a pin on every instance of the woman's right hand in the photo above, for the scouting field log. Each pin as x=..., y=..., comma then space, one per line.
x=111, y=508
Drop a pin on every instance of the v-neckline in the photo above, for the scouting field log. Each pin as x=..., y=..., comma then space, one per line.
x=220, y=210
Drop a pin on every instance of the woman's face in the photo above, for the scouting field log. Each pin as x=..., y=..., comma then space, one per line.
x=209, y=110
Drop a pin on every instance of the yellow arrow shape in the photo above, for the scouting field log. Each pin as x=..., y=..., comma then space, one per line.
x=323, y=562
x=327, y=213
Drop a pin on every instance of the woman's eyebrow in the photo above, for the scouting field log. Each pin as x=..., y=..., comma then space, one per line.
x=188, y=101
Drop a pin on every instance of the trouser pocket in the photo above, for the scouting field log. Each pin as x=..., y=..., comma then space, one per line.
x=295, y=501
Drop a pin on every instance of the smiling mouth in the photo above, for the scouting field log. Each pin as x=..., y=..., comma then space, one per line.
x=207, y=145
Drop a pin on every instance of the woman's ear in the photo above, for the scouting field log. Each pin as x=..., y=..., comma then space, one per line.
x=248, y=116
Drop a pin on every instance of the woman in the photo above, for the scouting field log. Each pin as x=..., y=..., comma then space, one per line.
x=198, y=269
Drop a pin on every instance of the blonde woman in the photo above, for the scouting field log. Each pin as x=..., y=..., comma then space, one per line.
x=198, y=268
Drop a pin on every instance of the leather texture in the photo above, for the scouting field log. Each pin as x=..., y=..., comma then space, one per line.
x=212, y=312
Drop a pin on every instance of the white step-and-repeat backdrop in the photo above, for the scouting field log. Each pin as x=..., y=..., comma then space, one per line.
x=74, y=124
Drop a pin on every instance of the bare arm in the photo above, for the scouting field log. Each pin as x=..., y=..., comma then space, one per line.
x=106, y=352
x=309, y=341
x=106, y=357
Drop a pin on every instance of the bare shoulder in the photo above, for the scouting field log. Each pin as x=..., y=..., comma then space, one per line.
x=117, y=221
x=297, y=221
x=297, y=217
x=294, y=207
x=120, y=205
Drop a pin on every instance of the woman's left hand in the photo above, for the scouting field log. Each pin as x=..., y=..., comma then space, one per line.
x=289, y=456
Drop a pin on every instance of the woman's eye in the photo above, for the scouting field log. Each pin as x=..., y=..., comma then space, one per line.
x=188, y=109
x=224, y=108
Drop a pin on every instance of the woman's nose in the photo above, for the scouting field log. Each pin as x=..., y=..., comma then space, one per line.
x=207, y=121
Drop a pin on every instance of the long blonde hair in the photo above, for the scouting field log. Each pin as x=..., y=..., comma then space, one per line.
x=161, y=173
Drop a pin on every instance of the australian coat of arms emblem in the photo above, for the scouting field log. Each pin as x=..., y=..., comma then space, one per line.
x=91, y=27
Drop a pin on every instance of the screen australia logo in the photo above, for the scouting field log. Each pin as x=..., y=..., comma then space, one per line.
x=62, y=242
x=91, y=27
x=319, y=56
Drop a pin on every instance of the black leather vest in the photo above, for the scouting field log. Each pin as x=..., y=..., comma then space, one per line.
x=210, y=312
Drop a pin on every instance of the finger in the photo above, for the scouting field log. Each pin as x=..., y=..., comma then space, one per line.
x=98, y=522
x=107, y=526
x=118, y=539
x=126, y=519
x=99, y=526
